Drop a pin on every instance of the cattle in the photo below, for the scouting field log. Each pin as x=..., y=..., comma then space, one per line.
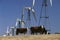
x=38, y=29
x=33, y=30
x=21, y=30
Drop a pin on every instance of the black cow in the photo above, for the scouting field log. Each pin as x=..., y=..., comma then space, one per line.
x=21, y=30
x=38, y=29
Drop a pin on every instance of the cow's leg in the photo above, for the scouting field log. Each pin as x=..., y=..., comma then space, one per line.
x=45, y=32
x=41, y=32
x=32, y=33
x=24, y=33
x=36, y=33
x=17, y=33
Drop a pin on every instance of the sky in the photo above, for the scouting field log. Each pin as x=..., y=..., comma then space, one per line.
x=10, y=10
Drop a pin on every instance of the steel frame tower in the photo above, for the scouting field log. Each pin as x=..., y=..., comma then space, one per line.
x=45, y=16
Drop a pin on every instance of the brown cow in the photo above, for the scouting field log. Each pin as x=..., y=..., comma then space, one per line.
x=38, y=29
x=21, y=30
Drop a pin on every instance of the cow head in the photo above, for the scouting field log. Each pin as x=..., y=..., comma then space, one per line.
x=42, y=26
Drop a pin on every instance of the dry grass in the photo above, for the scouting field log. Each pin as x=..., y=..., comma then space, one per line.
x=32, y=37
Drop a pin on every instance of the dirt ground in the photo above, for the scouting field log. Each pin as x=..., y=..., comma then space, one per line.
x=32, y=37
